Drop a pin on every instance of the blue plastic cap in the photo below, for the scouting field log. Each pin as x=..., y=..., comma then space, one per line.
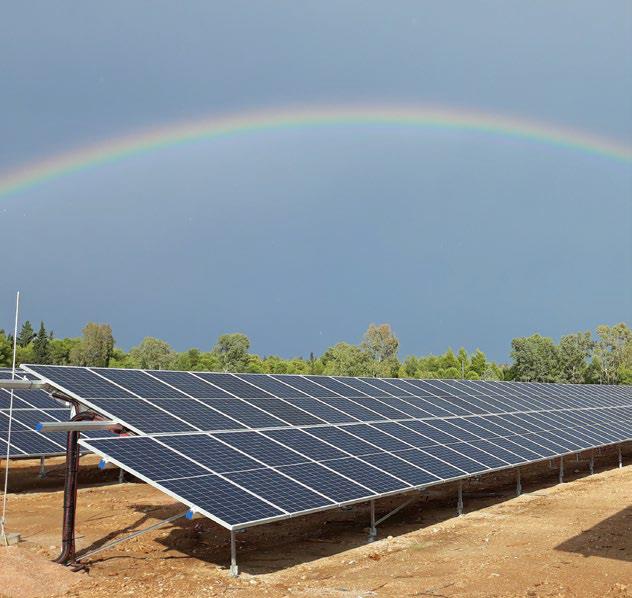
x=189, y=515
x=39, y=426
x=102, y=464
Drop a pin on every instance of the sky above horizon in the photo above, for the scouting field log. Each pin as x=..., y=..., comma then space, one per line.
x=302, y=237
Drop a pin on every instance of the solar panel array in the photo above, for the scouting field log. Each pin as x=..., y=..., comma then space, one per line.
x=251, y=448
x=29, y=408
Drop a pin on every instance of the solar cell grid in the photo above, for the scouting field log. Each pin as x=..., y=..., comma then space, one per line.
x=353, y=408
x=37, y=399
x=148, y=418
x=400, y=468
x=334, y=485
x=139, y=383
x=273, y=386
x=436, y=435
x=305, y=385
x=249, y=415
x=280, y=490
x=338, y=386
x=5, y=402
x=400, y=388
x=210, y=452
x=82, y=382
x=367, y=475
x=478, y=454
x=305, y=444
x=453, y=428
x=285, y=411
x=29, y=442
x=233, y=385
x=191, y=385
x=149, y=457
x=453, y=457
x=404, y=433
x=197, y=414
x=222, y=499
x=262, y=448
x=383, y=410
x=5, y=422
x=431, y=464
x=376, y=437
x=313, y=430
x=321, y=410
x=404, y=408
x=343, y=440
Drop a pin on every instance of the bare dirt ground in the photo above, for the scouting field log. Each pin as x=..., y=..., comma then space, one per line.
x=573, y=539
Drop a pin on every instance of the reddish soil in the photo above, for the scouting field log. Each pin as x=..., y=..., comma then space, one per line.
x=573, y=539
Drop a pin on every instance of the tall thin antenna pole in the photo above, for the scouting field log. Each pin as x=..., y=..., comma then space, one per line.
x=6, y=465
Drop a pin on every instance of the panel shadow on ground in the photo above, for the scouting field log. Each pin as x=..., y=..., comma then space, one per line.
x=610, y=538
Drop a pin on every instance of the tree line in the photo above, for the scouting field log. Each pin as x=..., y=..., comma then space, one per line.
x=604, y=357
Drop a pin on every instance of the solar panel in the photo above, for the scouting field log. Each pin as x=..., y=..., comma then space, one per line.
x=245, y=449
x=29, y=408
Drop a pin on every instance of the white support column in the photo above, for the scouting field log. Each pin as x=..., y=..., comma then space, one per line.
x=234, y=570
x=620, y=456
x=561, y=470
x=591, y=464
x=42, y=469
x=518, y=482
x=373, y=527
x=459, y=502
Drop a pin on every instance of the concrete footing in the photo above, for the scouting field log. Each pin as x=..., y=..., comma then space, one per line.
x=10, y=539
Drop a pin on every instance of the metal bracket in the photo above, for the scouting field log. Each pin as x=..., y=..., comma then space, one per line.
x=374, y=523
x=20, y=384
x=77, y=426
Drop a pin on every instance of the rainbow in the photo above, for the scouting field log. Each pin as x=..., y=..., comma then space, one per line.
x=155, y=139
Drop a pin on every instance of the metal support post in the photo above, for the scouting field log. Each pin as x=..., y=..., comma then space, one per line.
x=591, y=463
x=373, y=527
x=459, y=503
x=121, y=476
x=561, y=470
x=234, y=570
x=67, y=556
x=42, y=469
x=620, y=457
x=518, y=482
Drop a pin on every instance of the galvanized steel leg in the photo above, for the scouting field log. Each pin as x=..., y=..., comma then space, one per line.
x=372, y=527
x=518, y=482
x=121, y=477
x=591, y=464
x=42, y=470
x=234, y=571
x=620, y=457
x=459, y=503
x=561, y=470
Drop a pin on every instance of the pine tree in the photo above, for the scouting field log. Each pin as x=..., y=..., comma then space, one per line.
x=41, y=349
x=27, y=334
